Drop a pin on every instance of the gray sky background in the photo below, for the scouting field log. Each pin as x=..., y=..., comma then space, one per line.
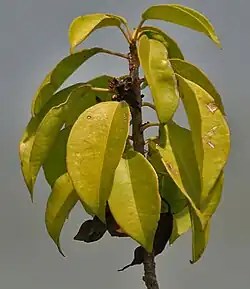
x=33, y=38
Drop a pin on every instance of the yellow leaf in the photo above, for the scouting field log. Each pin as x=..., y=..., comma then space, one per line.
x=83, y=26
x=95, y=146
x=183, y=16
x=60, y=203
x=134, y=200
x=160, y=76
x=210, y=132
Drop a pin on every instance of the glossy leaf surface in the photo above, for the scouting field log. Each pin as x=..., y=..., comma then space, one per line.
x=134, y=200
x=94, y=149
x=160, y=76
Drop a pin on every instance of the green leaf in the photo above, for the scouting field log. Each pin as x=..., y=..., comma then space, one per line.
x=94, y=149
x=209, y=205
x=83, y=26
x=89, y=99
x=177, y=152
x=183, y=16
x=55, y=164
x=210, y=132
x=59, y=75
x=182, y=223
x=47, y=133
x=169, y=191
x=160, y=76
x=194, y=74
x=134, y=200
x=152, y=32
x=60, y=203
x=27, y=140
x=200, y=237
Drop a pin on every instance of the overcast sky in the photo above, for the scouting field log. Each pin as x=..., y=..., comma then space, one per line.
x=33, y=38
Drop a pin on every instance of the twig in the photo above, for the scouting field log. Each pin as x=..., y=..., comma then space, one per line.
x=138, y=144
x=148, y=104
x=115, y=53
x=149, y=124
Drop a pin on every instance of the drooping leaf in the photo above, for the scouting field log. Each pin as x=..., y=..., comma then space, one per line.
x=200, y=237
x=155, y=33
x=176, y=149
x=134, y=200
x=59, y=75
x=210, y=132
x=160, y=76
x=183, y=16
x=27, y=140
x=55, y=164
x=194, y=74
x=83, y=26
x=210, y=204
x=47, y=133
x=94, y=149
x=60, y=203
x=182, y=224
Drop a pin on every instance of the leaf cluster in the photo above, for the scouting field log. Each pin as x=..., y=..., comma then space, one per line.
x=79, y=136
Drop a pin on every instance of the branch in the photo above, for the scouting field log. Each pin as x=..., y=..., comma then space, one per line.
x=138, y=144
x=100, y=89
x=149, y=124
x=115, y=53
x=148, y=104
